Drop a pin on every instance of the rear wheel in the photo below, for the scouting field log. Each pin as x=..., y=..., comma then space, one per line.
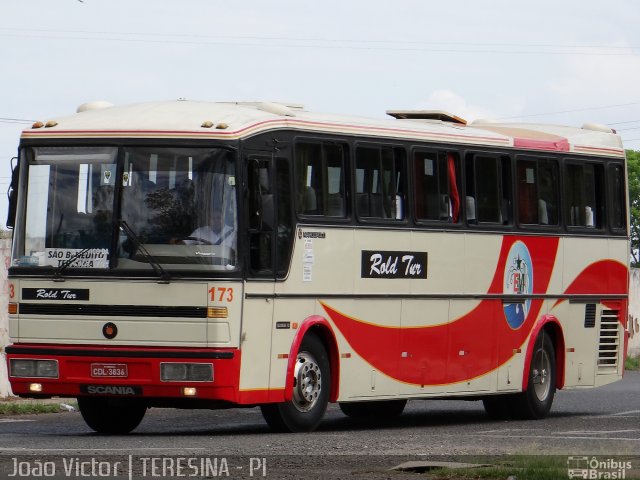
x=536, y=401
x=311, y=384
x=111, y=416
x=381, y=409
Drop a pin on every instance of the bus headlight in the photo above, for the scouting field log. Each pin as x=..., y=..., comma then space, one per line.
x=186, y=372
x=26, y=368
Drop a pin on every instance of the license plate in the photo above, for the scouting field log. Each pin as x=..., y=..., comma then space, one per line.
x=111, y=370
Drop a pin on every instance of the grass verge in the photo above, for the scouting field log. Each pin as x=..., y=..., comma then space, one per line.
x=24, y=408
x=520, y=467
x=632, y=363
x=538, y=467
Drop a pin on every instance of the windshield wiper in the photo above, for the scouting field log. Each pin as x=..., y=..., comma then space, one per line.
x=64, y=265
x=155, y=264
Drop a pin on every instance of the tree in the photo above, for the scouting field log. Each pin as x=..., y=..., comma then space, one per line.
x=633, y=173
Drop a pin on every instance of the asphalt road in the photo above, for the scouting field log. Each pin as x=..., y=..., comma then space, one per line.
x=603, y=421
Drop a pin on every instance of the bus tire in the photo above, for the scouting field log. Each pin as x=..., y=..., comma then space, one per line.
x=381, y=409
x=535, y=402
x=111, y=416
x=312, y=381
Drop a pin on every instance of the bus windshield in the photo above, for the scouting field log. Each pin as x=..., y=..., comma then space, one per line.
x=176, y=208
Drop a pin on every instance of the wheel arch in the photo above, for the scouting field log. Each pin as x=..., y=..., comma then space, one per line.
x=552, y=327
x=320, y=327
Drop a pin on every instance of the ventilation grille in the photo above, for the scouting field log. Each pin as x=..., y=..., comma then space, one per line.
x=111, y=310
x=609, y=344
x=590, y=315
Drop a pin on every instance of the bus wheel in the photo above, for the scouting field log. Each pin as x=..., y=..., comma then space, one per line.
x=536, y=402
x=111, y=416
x=311, y=383
x=382, y=409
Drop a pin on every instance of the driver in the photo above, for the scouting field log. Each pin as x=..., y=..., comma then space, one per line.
x=217, y=232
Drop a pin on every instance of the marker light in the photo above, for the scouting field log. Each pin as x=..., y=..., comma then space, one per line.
x=12, y=308
x=217, y=312
x=189, y=391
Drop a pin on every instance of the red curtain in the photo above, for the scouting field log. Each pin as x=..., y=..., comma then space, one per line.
x=453, y=187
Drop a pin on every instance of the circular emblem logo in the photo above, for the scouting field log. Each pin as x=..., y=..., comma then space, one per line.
x=518, y=280
x=109, y=330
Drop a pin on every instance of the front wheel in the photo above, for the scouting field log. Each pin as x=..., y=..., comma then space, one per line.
x=111, y=416
x=311, y=384
x=536, y=401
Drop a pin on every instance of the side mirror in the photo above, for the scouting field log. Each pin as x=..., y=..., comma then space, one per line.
x=12, y=193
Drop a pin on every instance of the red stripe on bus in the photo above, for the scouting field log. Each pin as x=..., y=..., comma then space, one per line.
x=456, y=351
x=605, y=277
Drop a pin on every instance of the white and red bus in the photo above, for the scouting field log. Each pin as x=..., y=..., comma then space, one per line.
x=201, y=255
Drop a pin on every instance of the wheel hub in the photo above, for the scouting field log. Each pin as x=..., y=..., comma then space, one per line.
x=307, y=382
x=541, y=375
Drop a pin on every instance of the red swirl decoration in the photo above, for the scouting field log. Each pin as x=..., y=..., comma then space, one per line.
x=479, y=341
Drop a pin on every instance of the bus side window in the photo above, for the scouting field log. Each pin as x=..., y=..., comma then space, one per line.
x=584, y=192
x=548, y=189
x=527, y=185
x=320, y=179
x=308, y=176
x=488, y=189
x=335, y=184
x=618, y=210
x=261, y=213
x=284, y=233
x=537, y=188
x=436, y=183
x=380, y=178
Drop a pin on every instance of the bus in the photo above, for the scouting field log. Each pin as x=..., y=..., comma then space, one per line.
x=189, y=254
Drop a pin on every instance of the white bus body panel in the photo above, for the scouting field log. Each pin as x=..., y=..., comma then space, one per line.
x=156, y=331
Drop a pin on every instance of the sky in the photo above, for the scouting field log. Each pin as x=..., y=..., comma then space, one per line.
x=563, y=62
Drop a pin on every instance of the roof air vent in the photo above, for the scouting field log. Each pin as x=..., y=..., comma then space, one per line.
x=433, y=115
x=97, y=105
x=597, y=127
x=276, y=109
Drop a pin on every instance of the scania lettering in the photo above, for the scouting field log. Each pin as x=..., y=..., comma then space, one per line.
x=109, y=390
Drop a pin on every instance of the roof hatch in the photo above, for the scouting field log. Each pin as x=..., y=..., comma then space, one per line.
x=433, y=115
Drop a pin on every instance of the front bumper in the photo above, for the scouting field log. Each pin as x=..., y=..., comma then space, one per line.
x=76, y=376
